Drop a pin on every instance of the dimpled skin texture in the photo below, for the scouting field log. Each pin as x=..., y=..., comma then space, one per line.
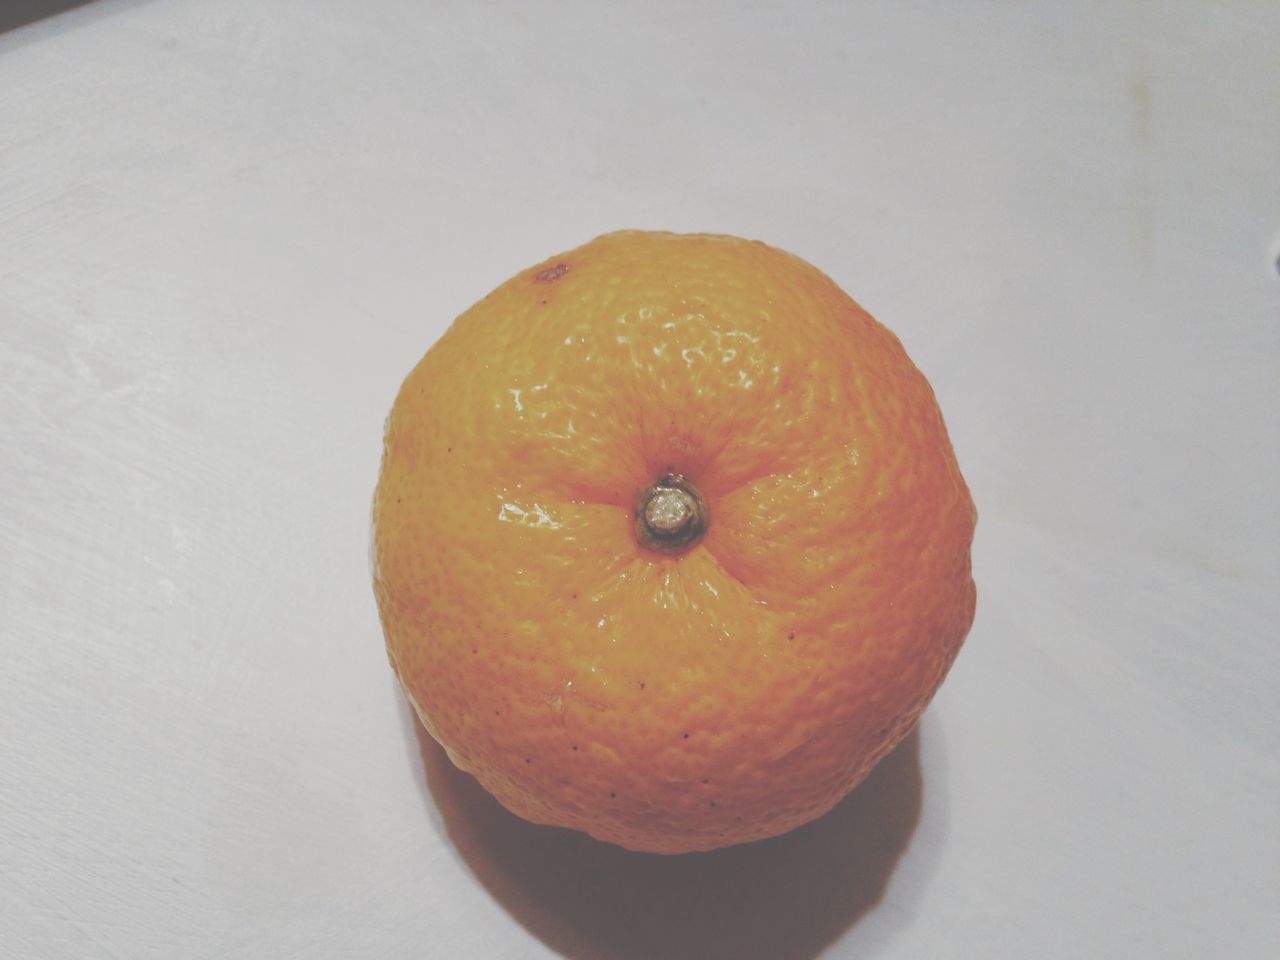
x=670, y=703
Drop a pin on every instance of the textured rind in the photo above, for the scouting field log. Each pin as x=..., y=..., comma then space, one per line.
x=666, y=703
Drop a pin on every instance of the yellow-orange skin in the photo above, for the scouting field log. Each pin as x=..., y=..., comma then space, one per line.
x=670, y=703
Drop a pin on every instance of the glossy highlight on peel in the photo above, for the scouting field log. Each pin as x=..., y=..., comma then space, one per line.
x=670, y=542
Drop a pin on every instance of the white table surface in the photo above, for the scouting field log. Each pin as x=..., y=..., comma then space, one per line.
x=228, y=229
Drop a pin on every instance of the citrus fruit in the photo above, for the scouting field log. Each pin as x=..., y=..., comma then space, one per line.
x=670, y=542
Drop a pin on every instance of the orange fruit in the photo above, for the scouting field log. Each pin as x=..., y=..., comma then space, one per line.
x=670, y=542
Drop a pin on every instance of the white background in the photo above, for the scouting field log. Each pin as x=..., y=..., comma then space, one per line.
x=227, y=231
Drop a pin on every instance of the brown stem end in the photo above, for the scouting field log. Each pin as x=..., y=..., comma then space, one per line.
x=670, y=514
